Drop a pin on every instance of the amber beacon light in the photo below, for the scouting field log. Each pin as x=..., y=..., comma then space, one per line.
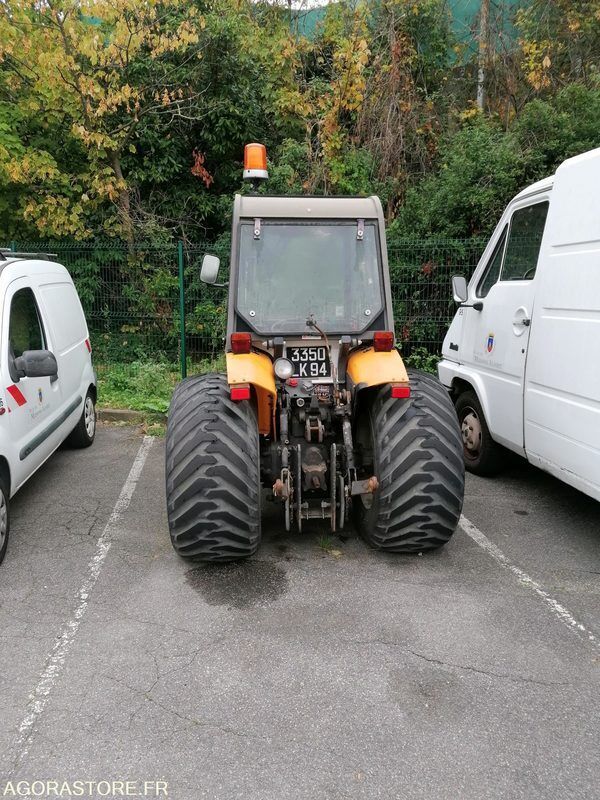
x=255, y=162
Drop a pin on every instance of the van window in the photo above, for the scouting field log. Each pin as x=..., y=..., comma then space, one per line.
x=524, y=240
x=492, y=271
x=25, y=331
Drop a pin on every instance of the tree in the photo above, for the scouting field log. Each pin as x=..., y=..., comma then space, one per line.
x=560, y=42
x=94, y=72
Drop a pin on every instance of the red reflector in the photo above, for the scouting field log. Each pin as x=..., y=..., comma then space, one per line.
x=241, y=392
x=17, y=395
x=88, y=345
x=240, y=342
x=383, y=341
x=292, y=382
x=401, y=392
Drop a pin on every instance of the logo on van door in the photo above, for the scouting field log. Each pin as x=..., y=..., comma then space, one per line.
x=490, y=342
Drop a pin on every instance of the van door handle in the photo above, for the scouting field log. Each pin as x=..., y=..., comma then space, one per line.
x=521, y=320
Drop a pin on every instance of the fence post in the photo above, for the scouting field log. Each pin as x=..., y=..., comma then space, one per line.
x=180, y=265
x=13, y=246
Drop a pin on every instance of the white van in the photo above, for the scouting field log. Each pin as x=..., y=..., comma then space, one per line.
x=47, y=382
x=522, y=355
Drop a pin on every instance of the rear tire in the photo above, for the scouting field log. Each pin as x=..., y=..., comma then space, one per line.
x=4, y=518
x=414, y=448
x=482, y=456
x=212, y=472
x=85, y=431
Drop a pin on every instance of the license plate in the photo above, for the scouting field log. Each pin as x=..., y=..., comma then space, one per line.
x=310, y=362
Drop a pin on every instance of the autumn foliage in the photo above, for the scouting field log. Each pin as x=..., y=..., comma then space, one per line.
x=128, y=119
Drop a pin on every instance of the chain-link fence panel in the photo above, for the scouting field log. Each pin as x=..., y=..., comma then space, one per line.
x=421, y=276
x=132, y=301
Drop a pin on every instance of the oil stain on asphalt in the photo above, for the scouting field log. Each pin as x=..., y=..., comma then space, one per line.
x=239, y=585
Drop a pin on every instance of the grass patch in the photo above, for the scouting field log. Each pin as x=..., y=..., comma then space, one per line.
x=144, y=385
x=325, y=542
x=327, y=545
x=139, y=386
x=156, y=429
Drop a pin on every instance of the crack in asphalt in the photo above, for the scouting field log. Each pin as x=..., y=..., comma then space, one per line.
x=467, y=667
x=227, y=730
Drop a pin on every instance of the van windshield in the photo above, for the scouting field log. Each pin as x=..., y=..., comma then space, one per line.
x=294, y=270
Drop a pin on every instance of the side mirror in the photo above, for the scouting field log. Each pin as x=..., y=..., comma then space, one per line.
x=36, y=364
x=209, y=269
x=459, y=289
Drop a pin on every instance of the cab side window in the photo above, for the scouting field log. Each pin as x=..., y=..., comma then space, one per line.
x=524, y=240
x=492, y=271
x=25, y=331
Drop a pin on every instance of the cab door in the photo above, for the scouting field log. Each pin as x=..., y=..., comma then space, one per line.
x=497, y=336
x=32, y=402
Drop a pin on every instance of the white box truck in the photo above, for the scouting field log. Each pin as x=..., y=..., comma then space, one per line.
x=522, y=355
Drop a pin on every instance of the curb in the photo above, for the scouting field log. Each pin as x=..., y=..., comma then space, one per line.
x=129, y=416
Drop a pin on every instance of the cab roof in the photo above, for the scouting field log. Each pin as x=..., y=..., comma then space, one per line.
x=534, y=188
x=32, y=265
x=307, y=207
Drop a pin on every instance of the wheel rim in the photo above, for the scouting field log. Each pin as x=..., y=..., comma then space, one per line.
x=89, y=417
x=470, y=429
x=3, y=519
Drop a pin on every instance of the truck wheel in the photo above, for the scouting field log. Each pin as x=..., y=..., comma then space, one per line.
x=414, y=448
x=4, y=518
x=212, y=472
x=481, y=454
x=85, y=431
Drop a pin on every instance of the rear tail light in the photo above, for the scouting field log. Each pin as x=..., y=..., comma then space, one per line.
x=383, y=341
x=88, y=345
x=241, y=342
x=240, y=392
x=400, y=392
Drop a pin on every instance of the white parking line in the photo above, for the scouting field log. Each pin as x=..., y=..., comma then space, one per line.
x=559, y=611
x=55, y=661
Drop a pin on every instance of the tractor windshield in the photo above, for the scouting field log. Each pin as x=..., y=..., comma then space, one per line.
x=293, y=270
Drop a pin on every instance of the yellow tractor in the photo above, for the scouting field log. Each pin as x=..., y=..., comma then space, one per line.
x=316, y=405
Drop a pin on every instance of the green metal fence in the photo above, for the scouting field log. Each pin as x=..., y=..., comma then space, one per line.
x=146, y=306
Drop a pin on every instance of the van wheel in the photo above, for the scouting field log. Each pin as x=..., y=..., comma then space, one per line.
x=85, y=431
x=4, y=518
x=482, y=455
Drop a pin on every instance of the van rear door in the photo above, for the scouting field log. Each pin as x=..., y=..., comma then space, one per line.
x=562, y=387
x=70, y=334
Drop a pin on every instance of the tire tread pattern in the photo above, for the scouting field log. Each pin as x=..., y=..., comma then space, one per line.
x=420, y=469
x=212, y=472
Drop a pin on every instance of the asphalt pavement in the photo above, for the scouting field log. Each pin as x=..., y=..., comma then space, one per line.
x=318, y=669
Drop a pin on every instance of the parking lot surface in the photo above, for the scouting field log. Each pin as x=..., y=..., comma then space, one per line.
x=319, y=668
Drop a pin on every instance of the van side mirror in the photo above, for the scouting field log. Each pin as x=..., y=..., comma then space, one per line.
x=36, y=364
x=209, y=269
x=459, y=289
